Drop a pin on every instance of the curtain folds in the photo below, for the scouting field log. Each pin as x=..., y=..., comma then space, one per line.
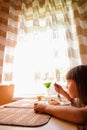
x=18, y=17
x=38, y=15
x=9, y=11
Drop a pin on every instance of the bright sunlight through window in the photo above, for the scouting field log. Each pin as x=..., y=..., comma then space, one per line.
x=37, y=57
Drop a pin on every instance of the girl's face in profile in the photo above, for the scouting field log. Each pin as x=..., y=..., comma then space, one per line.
x=72, y=88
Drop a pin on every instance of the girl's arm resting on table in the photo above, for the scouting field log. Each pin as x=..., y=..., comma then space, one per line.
x=68, y=113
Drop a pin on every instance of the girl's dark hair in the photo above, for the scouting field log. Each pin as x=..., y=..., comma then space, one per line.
x=79, y=75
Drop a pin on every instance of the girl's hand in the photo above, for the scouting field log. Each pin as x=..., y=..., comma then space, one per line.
x=39, y=107
x=58, y=88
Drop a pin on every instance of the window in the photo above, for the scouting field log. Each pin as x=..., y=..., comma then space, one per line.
x=39, y=56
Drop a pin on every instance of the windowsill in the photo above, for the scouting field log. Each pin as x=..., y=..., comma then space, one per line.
x=33, y=97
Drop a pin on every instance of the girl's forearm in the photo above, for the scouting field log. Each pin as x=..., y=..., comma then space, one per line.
x=67, y=113
x=66, y=95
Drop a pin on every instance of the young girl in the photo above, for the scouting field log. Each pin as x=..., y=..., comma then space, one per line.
x=77, y=95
